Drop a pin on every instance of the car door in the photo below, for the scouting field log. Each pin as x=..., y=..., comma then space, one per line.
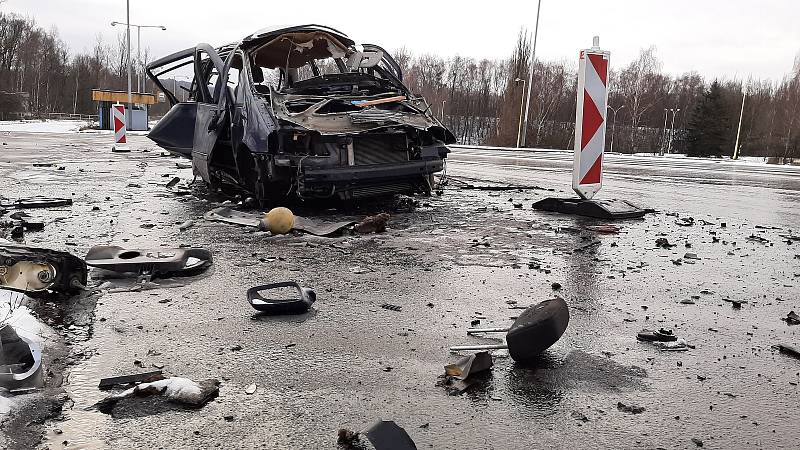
x=175, y=131
x=212, y=107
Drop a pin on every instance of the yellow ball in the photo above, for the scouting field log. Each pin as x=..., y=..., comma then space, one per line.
x=279, y=220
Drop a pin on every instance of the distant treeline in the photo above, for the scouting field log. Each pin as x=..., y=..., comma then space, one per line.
x=480, y=100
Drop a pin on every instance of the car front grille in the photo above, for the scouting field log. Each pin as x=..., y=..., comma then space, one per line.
x=380, y=149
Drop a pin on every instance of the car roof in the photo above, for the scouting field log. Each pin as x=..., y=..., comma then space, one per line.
x=269, y=33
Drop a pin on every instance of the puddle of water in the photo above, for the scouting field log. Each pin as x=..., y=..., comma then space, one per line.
x=80, y=429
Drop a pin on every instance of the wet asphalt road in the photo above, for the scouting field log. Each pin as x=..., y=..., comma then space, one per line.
x=467, y=255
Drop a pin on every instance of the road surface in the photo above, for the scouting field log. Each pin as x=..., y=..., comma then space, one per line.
x=464, y=256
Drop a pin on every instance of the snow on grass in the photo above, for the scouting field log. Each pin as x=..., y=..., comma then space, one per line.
x=40, y=126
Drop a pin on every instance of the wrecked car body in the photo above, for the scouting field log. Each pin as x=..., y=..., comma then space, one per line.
x=299, y=112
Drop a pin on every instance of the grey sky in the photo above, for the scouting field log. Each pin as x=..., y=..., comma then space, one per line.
x=733, y=38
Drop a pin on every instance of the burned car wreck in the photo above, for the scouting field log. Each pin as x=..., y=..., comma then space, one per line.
x=299, y=112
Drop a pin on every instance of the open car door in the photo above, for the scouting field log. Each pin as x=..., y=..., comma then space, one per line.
x=175, y=131
x=212, y=107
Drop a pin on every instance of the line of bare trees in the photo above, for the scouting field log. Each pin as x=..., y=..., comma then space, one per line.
x=480, y=100
x=38, y=75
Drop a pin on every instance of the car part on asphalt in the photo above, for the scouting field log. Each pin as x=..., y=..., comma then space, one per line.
x=330, y=119
x=661, y=335
x=32, y=269
x=20, y=360
x=232, y=216
x=311, y=226
x=792, y=318
x=469, y=365
x=788, y=350
x=37, y=202
x=154, y=263
x=383, y=435
x=272, y=306
x=146, y=377
x=467, y=372
x=177, y=389
x=320, y=228
x=603, y=229
x=534, y=331
x=404, y=203
x=601, y=209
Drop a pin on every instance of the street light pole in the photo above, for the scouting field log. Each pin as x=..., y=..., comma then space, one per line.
x=521, y=105
x=613, y=124
x=443, y=102
x=128, y=38
x=672, y=129
x=138, y=59
x=739, y=129
x=140, y=69
x=530, y=77
x=663, y=135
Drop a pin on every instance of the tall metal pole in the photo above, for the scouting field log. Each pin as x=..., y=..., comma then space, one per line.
x=739, y=129
x=672, y=129
x=138, y=59
x=614, y=124
x=443, y=102
x=75, y=102
x=521, y=106
x=663, y=135
x=530, y=77
x=130, y=69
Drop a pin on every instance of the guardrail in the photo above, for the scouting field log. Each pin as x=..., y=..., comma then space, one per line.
x=51, y=116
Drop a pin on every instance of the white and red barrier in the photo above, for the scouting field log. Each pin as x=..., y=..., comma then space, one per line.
x=118, y=118
x=590, y=121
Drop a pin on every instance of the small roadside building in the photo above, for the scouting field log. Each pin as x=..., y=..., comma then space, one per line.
x=136, y=120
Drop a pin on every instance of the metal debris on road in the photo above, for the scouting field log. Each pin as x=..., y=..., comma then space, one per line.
x=664, y=243
x=789, y=350
x=150, y=262
x=123, y=380
x=469, y=365
x=604, y=229
x=792, y=318
x=272, y=306
x=661, y=335
x=307, y=225
x=404, y=203
x=37, y=202
x=533, y=332
x=32, y=269
x=383, y=435
x=630, y=409
x=20, y=359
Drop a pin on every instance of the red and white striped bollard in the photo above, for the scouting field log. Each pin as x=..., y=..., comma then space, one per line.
x=120, y=137
x=590, y=121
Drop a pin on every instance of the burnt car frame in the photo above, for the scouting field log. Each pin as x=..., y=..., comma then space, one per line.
x=336, y=120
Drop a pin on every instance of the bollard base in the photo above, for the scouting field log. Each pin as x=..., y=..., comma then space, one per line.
x=601, y=209
x=120, y=149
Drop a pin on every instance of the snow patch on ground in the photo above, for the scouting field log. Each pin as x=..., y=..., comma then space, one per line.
x=5, y=405
x=39, y=126
x=174, y=388
x=13, y=312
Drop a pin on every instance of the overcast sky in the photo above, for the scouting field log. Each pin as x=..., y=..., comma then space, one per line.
x=717, y=38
